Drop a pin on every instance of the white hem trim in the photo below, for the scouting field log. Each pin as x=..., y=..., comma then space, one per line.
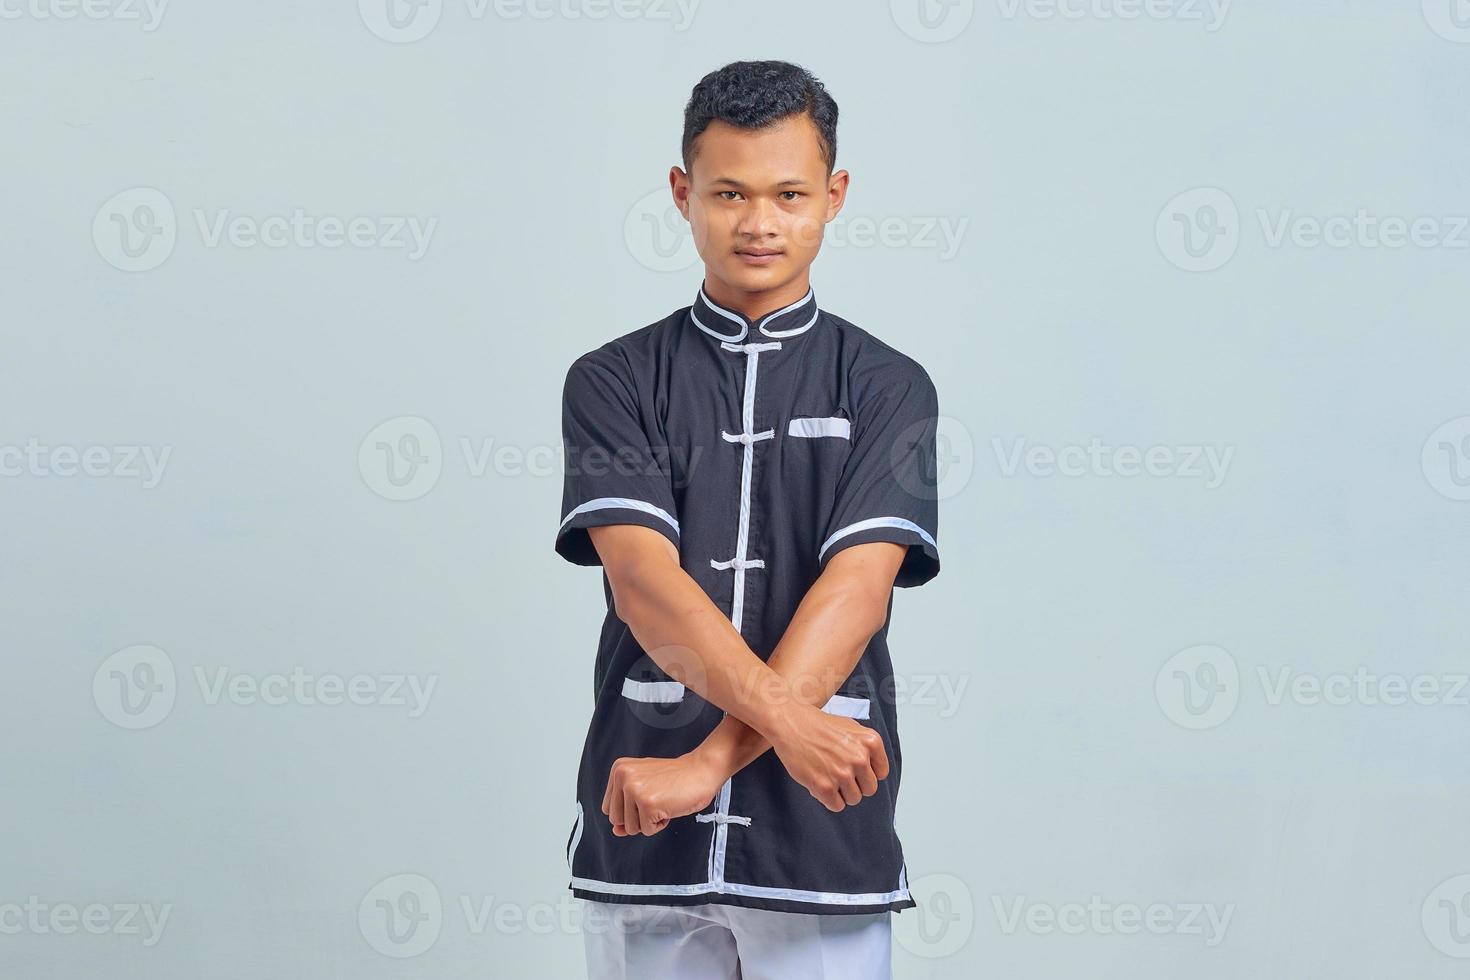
x=750, y=891
x=873, y=522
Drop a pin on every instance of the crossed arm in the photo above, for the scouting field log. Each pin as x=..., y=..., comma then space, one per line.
x=775, y=704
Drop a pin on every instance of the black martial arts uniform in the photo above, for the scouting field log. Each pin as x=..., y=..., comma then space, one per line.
x=760, y=449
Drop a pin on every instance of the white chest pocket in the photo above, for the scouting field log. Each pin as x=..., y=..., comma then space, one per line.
x=817, y=428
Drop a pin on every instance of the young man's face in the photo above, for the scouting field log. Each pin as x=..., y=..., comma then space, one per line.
x=757, y=202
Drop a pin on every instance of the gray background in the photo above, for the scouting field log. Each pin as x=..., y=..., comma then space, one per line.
x=1113, y=645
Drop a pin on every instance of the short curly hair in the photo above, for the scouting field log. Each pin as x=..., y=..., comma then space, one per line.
x=755, y=94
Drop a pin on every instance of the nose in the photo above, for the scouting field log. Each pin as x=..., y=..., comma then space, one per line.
x=759, y=219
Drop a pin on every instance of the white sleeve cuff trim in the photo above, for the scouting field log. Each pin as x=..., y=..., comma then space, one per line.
x=622, y=503
x=873, y=522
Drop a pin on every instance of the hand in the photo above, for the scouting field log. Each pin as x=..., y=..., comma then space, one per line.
x=643, y=795
x=835, y=758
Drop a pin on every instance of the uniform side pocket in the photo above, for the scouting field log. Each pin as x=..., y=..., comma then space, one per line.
x=846, y=706
x=653, y=692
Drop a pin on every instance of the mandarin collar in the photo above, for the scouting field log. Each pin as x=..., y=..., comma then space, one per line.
x=733, y=326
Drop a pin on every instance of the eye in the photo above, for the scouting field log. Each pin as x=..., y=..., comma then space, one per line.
x=723, y=193
x=795, y=195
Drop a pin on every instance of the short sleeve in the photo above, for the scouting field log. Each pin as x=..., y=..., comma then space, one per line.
x=888, y=487
x=613, y=473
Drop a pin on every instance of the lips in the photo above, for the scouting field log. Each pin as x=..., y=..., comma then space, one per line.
x=756, y=258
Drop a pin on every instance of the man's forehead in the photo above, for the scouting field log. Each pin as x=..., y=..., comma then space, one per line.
x=784, y=152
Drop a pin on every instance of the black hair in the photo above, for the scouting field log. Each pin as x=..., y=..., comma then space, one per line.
x=755, y=94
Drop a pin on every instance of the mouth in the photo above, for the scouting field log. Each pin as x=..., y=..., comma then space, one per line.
x=759, y=256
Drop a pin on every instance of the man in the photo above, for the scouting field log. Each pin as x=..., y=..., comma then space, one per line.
x=755, y=475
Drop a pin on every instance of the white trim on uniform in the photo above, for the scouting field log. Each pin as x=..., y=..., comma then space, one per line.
x=621, y=503
x=816, y=428
x=745, y=325
x=747, y=438
x=653, y=692
x=752, y=891
x=722, y=312
x=873, y=522
x=786, y=309
x=847, y=707
x=576, y=836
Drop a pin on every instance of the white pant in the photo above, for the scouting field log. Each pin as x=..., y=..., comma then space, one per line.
x=726, y=942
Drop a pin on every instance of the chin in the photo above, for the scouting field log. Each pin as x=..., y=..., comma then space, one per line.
x=756, y=276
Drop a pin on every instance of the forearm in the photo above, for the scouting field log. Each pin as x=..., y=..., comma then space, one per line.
x=820, y=648
x=693, y=642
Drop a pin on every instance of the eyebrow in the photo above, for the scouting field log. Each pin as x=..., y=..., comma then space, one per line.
x=789, y=181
